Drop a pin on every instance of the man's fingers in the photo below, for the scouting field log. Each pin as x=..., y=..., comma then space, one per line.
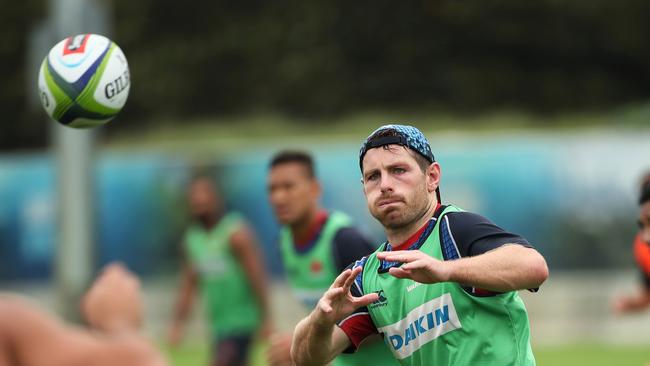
x=332, y=293
x=325, y=303
x=400, y=256
x=399, y=273
x=420, y=263
x=340, y=280
x=350, y=280
x=365, y=300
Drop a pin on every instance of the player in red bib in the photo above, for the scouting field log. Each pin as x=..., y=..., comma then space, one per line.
x=641, y=300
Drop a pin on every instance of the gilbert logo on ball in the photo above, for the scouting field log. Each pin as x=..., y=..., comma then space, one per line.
x=84, y=81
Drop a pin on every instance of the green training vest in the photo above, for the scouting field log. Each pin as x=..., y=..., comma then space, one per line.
x=311, y=274
x=441, y=324
x=225, y=289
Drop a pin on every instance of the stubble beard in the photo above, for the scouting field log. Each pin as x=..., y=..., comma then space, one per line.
x=404, y=219
x=413, y=210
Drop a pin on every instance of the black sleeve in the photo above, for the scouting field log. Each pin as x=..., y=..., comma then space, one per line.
x=349, y=245
x=474, y=234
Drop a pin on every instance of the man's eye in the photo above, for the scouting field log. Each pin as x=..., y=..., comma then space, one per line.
x=373, y=176
x=399, y=170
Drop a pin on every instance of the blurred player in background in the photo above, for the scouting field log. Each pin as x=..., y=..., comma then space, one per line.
x=641, y=300
x=29, y=336
x=221, y=256
x=316, y=245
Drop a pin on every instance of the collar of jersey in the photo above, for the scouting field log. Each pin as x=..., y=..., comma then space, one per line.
x=316, y=229
x=384, y=266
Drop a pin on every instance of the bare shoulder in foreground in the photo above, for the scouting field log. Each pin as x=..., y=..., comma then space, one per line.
x=32, y=336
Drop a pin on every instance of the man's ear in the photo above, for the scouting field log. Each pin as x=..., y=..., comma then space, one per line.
x=316, y=188
x=363, y=187
x=433, y=176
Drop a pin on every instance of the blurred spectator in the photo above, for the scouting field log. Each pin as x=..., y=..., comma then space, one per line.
x=221, y=256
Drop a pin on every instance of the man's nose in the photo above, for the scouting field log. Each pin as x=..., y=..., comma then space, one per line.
x=277, y=196
x=386, y=184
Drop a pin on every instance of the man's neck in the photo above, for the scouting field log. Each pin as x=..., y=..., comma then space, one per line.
x=302, y=227
x=208, y=222
x=398, y=236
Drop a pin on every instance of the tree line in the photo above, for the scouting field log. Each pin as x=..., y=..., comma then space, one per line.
x=331, y=57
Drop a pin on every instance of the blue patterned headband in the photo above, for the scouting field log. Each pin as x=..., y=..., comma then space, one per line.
x=408, y=136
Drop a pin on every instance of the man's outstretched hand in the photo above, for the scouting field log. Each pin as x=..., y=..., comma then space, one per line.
x=417, y=266
x=337, y=302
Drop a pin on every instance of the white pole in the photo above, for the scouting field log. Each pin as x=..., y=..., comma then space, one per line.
x=73, y=151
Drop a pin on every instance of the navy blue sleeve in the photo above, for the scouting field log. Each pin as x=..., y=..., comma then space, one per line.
x=474, y=234
x=356, y=288
x=349, y=245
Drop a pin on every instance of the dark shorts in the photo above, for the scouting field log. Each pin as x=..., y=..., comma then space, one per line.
x=231, y=351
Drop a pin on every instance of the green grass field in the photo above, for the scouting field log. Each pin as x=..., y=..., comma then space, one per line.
x=593, y=355
x=574, y=355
